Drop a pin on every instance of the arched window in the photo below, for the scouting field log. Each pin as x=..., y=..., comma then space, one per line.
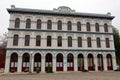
x=69, y=25
x=15, y=40
x=17, y=23
x=49, y=24
x=105, y=27
x=69, y=41
x=28, y=23
x=59, y=25
x=49, y=41
x=98, y=42
x=38, y=24
x=78, y=26
x=59, y=41
x=89, y=42
x=97, y=27
x=38, y=40
x=27, y=40
x=79, y=41
x=88, y=26
x=107, y=42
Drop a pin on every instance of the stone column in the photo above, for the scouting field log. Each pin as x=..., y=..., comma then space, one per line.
x=75, y=64
x=43, y=64
x=96, y=63
x=54, y=64
x=7, y=64
x=85, y=63
x=65, y=63
x=32, y=63
x=105, y=63
x=19, y=69
x=114, y=63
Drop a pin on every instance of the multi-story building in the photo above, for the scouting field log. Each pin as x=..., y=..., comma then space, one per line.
x=61, y=38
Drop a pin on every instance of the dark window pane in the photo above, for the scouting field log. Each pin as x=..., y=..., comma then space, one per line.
x=15, y=40
x=89, y=42
x=59, y=41
x=48, y=40
x=38, y=24
x=49, y=24
x=98, y=42
x=97, y=27
x=79, y=42
x=78, y=26
x=69, y=25
x=88, y=26
x=17, y=23
x=69, y=41
x=38, y=40
x=107, y=42
x=59, y=25
x=105, y=27
x=28, y=23
x=27, y=40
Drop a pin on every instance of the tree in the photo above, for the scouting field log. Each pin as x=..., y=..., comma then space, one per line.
x=116, y=37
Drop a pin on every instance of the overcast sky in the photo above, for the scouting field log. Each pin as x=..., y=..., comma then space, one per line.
x=90, y=6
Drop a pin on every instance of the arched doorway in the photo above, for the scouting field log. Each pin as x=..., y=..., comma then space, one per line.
x=59, y=62
x=14, y=62
x=48, y=61
x=109, y=62
x=25, y=62
x=37, y=61
x=100, y=62
x=80, y=62
x=70, y=62
x=91, y=65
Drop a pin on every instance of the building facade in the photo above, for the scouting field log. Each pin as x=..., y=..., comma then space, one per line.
x=61, y=38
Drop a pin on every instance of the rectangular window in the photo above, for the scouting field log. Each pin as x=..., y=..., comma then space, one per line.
x=69, y=41
x=15, y=40
x=48, y=40
x=59, y=41
x=27, y=40
x=79, y=42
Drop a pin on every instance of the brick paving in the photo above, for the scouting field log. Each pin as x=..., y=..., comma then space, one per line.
x=63, y=76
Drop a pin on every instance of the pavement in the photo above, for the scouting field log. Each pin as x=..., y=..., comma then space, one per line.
x=63, y=76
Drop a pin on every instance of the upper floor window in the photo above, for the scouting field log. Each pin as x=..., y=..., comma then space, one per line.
x=28, y=23
x=107, y=42
x=69, y=41
x=59, y=25
x=98, y=42
x=78, y=26
x=105, y=27
x=59, y=39
x=79, y=42
x=89, y=42
x=49, y=41
x=38, y=24
x=27, y=40
x=97, y=27
x=88, y=26
x=38, y=40
x=49, y=24
x=17, y=23
x=69, y=25
x=15, y=40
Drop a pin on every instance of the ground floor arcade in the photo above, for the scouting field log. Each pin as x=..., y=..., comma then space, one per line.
x=21, y=61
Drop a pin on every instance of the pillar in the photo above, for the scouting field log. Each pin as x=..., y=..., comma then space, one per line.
x=105, y=63
x=54, y=64
x=19, y=69
x=43, y=63
x=114, y=63
x=85, y=63
x=7, y=64
x=75, y=64
x=65, y=63
x=32, y=63
x=96, y=63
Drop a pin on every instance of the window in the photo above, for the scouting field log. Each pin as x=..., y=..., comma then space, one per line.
x=69, y=25
x=107, y=42
x=88, y=26
x=27, y=40
x=15, y=40
x=17, y=23
x=98, y=42
x=38, y=24
x=38, y=40
x=89, y=42
x=49, y=24
x=59, y=41
x=97, y=27
x=105, y=27
x=78, y=26
x=79, y=42
x=69, y=41
x=48, y=40
x=59, y=25
x=28, y=23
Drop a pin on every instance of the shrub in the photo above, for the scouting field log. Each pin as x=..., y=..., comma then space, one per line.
x=84, y=70
x=49, y=69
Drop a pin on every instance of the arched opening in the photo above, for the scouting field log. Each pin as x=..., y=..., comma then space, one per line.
x=59, y=62
x=48, y=61
x=70, y=62
x=100, y=62
x=109, y=62
x=25, y=62
x=37, y=62
x=13, y=62
x=91, y=65
x=80, y=62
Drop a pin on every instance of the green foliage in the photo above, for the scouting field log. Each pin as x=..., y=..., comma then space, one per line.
x=37, y=70
x=117, y=69
x=49, y=69
x=84, y=70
